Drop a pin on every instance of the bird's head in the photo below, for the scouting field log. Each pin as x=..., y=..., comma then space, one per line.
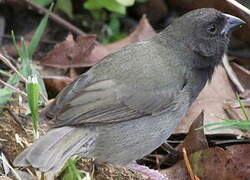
x=206, y=33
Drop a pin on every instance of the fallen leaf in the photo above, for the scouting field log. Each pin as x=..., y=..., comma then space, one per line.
x=211, y=99
x=246, y=102
x=71, y=53
x=195, y=139
x=241, y=151
x=85, y=52
x=55, y=84
x=239, y=165
x=242, y=74
x=142, y=32
x=231, y=111
x=214, y=163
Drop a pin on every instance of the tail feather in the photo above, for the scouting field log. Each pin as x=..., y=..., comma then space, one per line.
x=50, y=152
x=46, y=145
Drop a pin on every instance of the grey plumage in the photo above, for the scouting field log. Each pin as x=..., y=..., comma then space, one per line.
x=128, y=104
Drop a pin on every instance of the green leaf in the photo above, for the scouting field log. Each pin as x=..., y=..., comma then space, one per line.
x=26, y=66
x=224, y=127
x=93, y=4
x=111, y=5
x=70, y=172
x=99, y=15
x=5, y=93
x=25, y=60
x=65, y=6
x=33, y=99
x=40, y=82
x=113, y=29
x=38, y=34
x=126, y=2
x=242, y=107
x=43, y=2
x=114, y=6
x=141, y=1
x=114, y=24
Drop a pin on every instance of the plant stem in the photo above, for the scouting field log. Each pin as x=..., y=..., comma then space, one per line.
x=8, y=63
x=12, y=87
x=56, y=18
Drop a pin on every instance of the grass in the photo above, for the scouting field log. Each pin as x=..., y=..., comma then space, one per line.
x=35, y=87
x=243, y=124
x=35, y=90
x=70, y=172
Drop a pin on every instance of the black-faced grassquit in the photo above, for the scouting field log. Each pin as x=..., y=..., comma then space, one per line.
x=128, y=104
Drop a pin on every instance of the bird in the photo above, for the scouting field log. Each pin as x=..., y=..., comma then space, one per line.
x=129, y=103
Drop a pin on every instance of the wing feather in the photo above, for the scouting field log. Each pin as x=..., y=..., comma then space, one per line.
x=102, y=97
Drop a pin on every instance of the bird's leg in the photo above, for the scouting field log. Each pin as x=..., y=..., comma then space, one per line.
x=151, y=173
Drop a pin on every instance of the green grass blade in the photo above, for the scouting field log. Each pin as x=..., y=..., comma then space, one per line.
x=5, y=93
x=70, y=172
x=33, y=100
x=242, y=107
x=224, y=127
x=40, y=82
x=15, y=43
x=38, y=34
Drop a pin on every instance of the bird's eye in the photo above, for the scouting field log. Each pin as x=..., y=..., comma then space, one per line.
x=212, y=29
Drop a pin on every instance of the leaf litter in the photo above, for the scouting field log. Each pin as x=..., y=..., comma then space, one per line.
x=207, y=162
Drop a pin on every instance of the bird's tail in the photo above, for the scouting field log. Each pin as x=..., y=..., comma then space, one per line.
x=50, y=152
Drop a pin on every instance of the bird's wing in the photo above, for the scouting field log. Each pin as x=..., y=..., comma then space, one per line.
x=105, y=101
x=118, y=96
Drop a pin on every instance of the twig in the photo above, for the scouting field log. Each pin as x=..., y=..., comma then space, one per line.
x=17, y=120
x=56, y=18
x=8, y=63
x=12, y=169
x=232, y=74
x=188, y=166
x=13, y=88
x=4, y=73
x=13, y=107
x=240, y=6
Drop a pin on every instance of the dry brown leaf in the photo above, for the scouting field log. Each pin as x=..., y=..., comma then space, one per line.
x=242, y=74
x=241, y=151
x=143, y=32
x=55, y=84
x=239, y=165
x=84, y=51
x=211, y=100
x=215, y=163
x=195, y=139
x=71, y=53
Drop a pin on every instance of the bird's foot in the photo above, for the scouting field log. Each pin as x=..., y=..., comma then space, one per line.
x=151, y=173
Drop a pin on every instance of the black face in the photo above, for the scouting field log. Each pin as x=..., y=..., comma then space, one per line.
x=211, y=42
x=207, y=34
x=203, y=35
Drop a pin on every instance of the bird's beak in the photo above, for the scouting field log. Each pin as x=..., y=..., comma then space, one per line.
x=232, y=22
